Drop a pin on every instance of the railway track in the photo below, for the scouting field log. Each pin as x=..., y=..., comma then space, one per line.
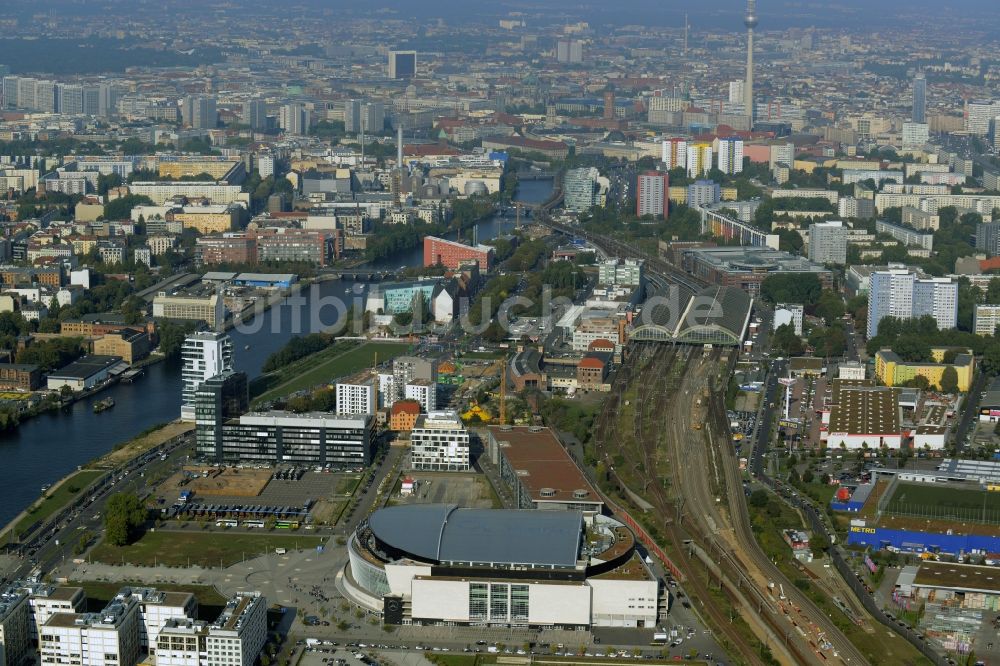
x=799, y=608
x=704, y=473
x=650, y=366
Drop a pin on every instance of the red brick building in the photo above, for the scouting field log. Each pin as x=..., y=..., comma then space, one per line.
x=591, y=372
x=227, y=249
x=451, y=254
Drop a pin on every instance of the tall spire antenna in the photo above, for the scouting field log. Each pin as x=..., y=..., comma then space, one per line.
x=750, y=21
x=687, y=29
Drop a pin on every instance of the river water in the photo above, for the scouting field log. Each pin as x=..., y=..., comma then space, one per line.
x=48, y=447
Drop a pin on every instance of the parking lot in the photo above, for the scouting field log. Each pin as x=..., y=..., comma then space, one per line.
x=281, y=493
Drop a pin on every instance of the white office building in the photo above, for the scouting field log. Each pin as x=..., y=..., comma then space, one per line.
x=156, y=607
x=234, y=639
x=828, y=242
x=238, y=635
x=357, y=398
x=439, y=442
x=108, y=638
x=46, y=600
x=205, y=354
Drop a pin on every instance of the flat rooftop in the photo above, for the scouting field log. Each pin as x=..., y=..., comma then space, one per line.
x=542, y=465
x=958, y=576
x=85, y=367
x=858, y=407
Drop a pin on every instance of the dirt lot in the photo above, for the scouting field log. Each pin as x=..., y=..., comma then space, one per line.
x=463, y=489
x=230, y=482
x=138, y=445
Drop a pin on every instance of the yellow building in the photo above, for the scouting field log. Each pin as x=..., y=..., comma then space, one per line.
x=730, y=194
x=130, y=344
x=678, y=194
x=891, y=370
x=179, y=168
x=208, y=219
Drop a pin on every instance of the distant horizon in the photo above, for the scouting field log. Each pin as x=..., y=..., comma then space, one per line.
x=707, y=14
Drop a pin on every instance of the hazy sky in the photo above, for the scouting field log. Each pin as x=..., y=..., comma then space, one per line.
x=707, y=14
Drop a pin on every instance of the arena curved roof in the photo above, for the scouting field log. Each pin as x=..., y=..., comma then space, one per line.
x=447, y=533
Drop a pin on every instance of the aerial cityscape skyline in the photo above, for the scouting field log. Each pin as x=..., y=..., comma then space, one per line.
x=529, y=333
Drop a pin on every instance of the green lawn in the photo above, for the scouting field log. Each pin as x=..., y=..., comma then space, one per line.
x=58, y=498
x=945, y=501
x=203, y=549
x=331, y=366
x=102, y=592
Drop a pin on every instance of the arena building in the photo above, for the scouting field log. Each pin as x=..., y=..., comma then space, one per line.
x=440, y=564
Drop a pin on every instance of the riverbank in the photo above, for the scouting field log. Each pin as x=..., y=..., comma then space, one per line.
x=77, y=483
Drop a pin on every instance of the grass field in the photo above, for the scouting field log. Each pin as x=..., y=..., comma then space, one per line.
x=331, y=365
x=101, y=592
x=58, y=498
x=204, y=549
x=928, y=500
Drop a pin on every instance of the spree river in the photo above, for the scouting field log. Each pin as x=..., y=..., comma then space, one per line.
x=49, y=446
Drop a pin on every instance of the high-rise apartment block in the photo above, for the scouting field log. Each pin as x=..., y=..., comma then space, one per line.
x=199, y=112
x=652, y=190
x=357, y=398
x=988, y=238
x=363, y=116
x=294, y=119
x=699, y=159
x=731, y=156
x=569, y=51
x=898, y=292
x=675, y=153
x=828, y=242
x=703, y=193
x=255, y=114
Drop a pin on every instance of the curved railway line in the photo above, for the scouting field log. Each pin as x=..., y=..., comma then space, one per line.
x=669, y=381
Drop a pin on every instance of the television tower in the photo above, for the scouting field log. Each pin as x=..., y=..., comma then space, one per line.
x=750, y=21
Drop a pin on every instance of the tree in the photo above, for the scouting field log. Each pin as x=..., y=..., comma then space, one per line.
x=791, y=288
x=949, y=380
x=818, y=544
x=991, y=356
x=758, y=499
x=787, y=341
x=121, y=208
x=124, y=515
x=830, y=306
